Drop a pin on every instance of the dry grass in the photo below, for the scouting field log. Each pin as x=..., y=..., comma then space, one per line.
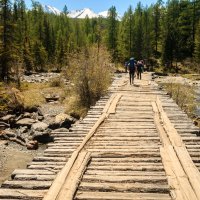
x=193, y=77
x=34, y=93
x=183, y=95
x=90, y=71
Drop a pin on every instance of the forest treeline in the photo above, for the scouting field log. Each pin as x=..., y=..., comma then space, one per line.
x=33, y=40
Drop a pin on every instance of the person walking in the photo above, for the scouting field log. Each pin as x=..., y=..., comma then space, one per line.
x=139, y=70
x=132, y=70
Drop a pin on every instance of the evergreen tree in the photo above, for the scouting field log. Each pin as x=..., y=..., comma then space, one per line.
x=197, y=44
x=60, y=52
x=7, y=38
x=40, y=56
x=125, y=38
x=65, y=10
x=138, y=32
x=112, y=32
x=157, y=13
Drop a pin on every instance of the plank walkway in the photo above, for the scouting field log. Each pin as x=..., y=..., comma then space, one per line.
x=135, y=143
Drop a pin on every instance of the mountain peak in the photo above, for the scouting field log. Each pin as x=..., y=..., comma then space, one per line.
x=79, y=14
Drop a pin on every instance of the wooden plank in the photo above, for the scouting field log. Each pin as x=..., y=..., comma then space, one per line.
x=32, y=185
x=22, y=194
x=124, y=173
x=32, y=172
x=35, y=177
x=82, y=195
x=124, y=187
x=127, y=168
x=69, y=187
x=124, y=179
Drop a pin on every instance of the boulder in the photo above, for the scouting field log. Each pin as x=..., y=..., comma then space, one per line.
x=39, y=126
x=25, y=122
x=62, y=121
x=8, y=118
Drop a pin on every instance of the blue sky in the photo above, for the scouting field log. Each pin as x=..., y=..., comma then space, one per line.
x=95, y=5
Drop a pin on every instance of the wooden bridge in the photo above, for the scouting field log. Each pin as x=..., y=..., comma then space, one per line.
x=135, y=143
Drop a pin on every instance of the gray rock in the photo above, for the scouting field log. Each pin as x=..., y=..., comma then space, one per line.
x=62, y=120
x=39, y=126
x=25, y=122
x=64, y=117
x=27, y=115
x=40, y=118
x=7, y=118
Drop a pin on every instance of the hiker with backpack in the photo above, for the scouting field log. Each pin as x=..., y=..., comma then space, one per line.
x=132, y=68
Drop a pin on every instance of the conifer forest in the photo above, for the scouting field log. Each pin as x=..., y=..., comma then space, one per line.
x=164, y=34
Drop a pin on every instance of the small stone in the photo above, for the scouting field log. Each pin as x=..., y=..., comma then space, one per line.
x=32, y=145
x=27, y=115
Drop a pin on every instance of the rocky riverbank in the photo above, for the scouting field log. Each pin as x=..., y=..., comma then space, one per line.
x=34, y=125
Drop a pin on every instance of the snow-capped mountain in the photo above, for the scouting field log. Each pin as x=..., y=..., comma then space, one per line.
x=51, y=9
x=80, y=14
x=103, y=14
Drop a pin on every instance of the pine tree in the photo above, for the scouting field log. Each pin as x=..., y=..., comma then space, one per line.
x=125, y=38
x=60, y=52
x=112, y=32
x=157, y=13
x=40, y=57
x=197, y=44
x=138, y=32
x=6, y=50
x=65, y=10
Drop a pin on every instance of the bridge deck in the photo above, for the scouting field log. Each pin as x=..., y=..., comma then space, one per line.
x=135, y=143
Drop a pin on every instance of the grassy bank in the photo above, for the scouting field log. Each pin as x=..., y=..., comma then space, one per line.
x=185, y=97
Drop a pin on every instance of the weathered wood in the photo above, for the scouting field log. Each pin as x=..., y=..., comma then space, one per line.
x=124, y=187
x=22, y=194
x=33, y=185
x=82, y=195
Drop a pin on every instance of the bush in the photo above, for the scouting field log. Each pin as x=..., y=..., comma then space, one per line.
x=90, y=71
x=11, y=99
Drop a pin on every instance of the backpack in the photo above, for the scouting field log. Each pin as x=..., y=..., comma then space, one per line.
x=132, y=64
